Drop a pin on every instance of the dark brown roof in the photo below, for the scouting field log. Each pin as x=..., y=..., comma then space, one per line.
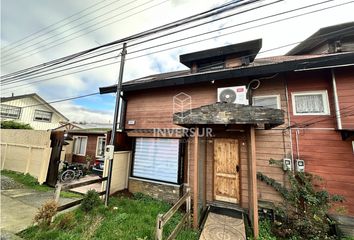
x=248, y=49
x=259, y=67
x=323, y=35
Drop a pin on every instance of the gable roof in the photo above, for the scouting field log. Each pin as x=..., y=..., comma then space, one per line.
x=259, y=67
x=38, y=98
x=323, y=35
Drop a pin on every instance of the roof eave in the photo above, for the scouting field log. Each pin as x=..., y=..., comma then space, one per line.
x=288, y=66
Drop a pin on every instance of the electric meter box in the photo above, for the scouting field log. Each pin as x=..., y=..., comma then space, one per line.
x=300, y=165
x=109, y=150
x=287, y=164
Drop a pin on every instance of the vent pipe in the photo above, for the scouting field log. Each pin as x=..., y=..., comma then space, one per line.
x=336, y=102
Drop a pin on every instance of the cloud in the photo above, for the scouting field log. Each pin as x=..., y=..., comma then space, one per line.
x=22, y=17
x=82, y=114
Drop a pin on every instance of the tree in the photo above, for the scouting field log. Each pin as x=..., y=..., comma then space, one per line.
x=14, y=125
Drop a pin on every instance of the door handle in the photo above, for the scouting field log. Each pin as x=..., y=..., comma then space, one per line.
x=237, y=168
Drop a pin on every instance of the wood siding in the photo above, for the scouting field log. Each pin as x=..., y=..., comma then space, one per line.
x=154, y=109
x=90, y=148
x=345, y=89
x=27, y=113
x=320, y=145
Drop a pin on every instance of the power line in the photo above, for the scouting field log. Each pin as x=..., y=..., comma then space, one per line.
x=63, y=100
x=164, y=50
x=188, y=28
x=208, y=32
x=216, y=10
x=33, y=51
x=8, y=48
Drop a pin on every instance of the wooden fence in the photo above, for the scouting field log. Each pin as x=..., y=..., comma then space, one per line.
x=62, y=187
x=162, y=219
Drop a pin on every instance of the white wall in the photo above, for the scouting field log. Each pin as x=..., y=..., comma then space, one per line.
x=27, y=113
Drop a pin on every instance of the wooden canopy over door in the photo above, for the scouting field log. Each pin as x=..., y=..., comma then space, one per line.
x=226, y=168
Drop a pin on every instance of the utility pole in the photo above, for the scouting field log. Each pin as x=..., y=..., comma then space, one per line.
x=114, y=127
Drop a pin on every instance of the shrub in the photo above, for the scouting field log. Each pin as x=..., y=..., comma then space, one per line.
x=90, y=201
x=14, y=125
x=46, y=212
x=303, y=213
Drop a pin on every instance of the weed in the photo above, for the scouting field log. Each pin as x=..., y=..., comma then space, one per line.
x=46, y=212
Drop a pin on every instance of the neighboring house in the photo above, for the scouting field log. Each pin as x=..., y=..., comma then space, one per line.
x=33, y=110
x=88, y=144
x=302, y=107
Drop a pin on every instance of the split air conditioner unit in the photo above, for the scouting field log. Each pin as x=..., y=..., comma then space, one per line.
x=237, y=94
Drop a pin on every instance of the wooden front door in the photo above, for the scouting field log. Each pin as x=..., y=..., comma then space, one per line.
x=226, y=170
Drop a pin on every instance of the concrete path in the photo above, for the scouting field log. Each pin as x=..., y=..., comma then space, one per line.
x=19, y=206
x=222, y=227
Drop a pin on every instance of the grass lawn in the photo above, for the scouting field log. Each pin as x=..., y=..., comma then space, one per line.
x=31, y=182
x=125, y=218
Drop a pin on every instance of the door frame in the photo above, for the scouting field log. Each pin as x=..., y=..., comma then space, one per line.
x=238, y=199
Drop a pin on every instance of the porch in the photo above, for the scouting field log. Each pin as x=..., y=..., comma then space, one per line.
x=221, y=157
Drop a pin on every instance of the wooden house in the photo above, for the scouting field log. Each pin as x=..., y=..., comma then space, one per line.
x=246, y=111
x=31, y=109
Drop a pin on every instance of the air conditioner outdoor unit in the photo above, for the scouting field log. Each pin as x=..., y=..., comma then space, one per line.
x=236, y=94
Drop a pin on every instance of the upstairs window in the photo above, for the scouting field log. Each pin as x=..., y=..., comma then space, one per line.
x=270, y=101
x=43, y=116
x=80, y=143
x=8, y=111
x=310, y=103
x=101, y=144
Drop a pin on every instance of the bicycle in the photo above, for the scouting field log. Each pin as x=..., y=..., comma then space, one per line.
x=71, y=172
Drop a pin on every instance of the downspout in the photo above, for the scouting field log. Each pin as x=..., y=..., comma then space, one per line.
x=336, y=102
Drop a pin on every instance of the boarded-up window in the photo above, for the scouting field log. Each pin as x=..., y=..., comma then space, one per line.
x=156, y=159
x=44, y=116
x=310, y=103
x=8, y=111
x=80, y=145
x=267, y=101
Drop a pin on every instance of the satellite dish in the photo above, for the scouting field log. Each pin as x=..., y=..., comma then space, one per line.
x=227, y=96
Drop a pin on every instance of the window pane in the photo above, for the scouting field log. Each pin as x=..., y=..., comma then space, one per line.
x=100, y=146
x=268, y=102
x=156, y=158
x=42, y=116
x=80, y=145
x=8, y=111
x=309, y=103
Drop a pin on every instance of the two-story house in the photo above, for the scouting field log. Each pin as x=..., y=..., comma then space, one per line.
x=33, y=110
x=246, y=111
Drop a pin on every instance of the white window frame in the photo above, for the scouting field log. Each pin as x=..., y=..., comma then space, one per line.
x=74, y=147
x=97, y=145
x=303, y=93
x=267, y=96
x=39, y=120
x=6, y=114
x=154, y=178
